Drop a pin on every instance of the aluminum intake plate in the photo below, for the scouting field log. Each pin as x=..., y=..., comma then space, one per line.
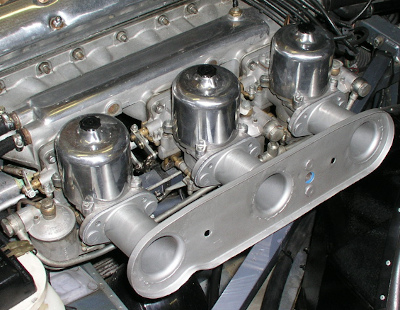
x=239, y=214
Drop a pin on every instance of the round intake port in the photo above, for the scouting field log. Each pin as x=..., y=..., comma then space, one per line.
x=364, y=142
x=161, y=258
x=273, y=194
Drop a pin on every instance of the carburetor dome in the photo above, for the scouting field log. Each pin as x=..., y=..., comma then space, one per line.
x=94, y=139
x=301, y=58
x=205, y=101
x=93, y=153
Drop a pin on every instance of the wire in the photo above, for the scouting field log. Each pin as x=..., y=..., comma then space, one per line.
x=306, y=12
x=263, y=9
x=361, y=12
x=292, y=10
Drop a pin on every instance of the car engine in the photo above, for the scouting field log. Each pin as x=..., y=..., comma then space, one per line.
x=182, y=133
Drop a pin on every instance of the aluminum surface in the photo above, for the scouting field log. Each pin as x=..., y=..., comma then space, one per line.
x=205, y=101
x=185, y=234
x=300, y=61
x=132, y=80
x=26, y=23
x=94, y=158
x=57, y=238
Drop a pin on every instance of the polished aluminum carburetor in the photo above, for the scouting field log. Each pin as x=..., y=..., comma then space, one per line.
x=301, y=59
x=93, y=153
x=205, y=101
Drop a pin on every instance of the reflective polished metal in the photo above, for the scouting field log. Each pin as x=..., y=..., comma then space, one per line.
x=205, y=104
x=256, y=140
x=93, y=152
x=301, y=58
x=47, y=25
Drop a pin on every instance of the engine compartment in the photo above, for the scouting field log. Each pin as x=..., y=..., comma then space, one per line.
x=183, y=127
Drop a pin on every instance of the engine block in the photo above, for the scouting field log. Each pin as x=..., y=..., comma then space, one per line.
x=252, y=119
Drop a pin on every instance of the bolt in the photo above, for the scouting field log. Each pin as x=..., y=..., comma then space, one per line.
x=51, y=159
x=121, y=36
x=200, y=148
x=388, y=263
x=78, y=54
x=252, y=90
x=113, y=109
x=56, y=22
x=382, y=297
x=361, y=87
x=44, y=67
x=192, y=8
x=252, y=65
x=264, y=81
x=297, y=101
x=48, y=208
x=134, y=128
x=7, y=227
x=163, y=20
x=336, y=65
x=378, y=41
x=159, y=108
x=235, y=12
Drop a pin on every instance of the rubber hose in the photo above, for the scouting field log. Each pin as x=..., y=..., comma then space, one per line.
x=272, y=297
x=3, y=128
x=6, y=146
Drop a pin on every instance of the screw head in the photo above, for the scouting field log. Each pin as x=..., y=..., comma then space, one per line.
x=113, y=109
x=122, y=36
x=159, y=108
x=163, y=20
x=44, y=67
x=57, y=22
x=51, y=159
x=252, y=65
x=201, y=148
x=382, y=297
x=78, y=54
x=192, y=8
x=378, y=41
